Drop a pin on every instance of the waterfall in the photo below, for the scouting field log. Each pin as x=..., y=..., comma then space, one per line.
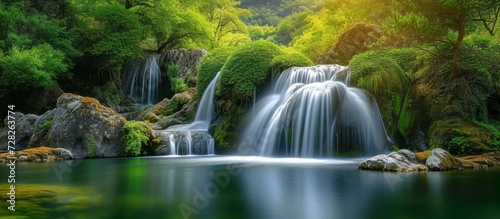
x=142, y=81
x=312, y=112
x=193, y=138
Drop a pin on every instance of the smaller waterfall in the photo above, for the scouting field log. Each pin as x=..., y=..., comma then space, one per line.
x=142, y=81
x=193, y=138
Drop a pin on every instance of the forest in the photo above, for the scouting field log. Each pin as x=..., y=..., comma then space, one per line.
x=434, y=67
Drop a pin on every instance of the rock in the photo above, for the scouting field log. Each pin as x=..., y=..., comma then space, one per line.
x=394, y=161
x=409, y=155
x=38, y=154
x=180, y=109
x=351, y=42
x=65, y=154
x=83, y=126
x=487, y=159
x=24, y=127
x=442, y=160
x=187, y=60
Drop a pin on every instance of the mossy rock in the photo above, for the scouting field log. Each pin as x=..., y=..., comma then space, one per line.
x=210, y=65
x=294, y=59
x=460, y=137
x=248, y=68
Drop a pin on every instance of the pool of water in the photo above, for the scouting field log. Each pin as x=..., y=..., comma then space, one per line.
x=219, y=187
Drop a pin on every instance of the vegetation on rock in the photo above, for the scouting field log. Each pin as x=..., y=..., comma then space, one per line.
x=134, y=137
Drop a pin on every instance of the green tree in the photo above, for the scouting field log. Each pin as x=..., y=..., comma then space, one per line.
x=436, y=19
x=111, y=35
x=224, y=15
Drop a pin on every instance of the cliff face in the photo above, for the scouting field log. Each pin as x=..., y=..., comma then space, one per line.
x=353, y=41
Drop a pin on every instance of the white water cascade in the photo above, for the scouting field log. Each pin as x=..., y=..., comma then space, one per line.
x=143, y=81
x=312, y=112
x=193, y=138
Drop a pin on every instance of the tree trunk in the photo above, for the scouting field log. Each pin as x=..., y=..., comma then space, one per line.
x=457, y=45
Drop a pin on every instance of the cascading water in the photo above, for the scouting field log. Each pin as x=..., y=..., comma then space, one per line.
x=193, y=138
x=143, y=81
x=313, y=113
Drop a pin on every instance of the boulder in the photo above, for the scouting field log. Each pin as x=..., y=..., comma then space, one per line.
x=25, y=125
x=351, y=42
x=395, y=161
x=83, y=126
x=442, y=160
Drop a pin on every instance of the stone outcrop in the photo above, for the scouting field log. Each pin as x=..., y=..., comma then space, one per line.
x=401, y=161
x=81, y=125
x=435, y=160
x=351, y=42
x=187, y=60
x=179, y=109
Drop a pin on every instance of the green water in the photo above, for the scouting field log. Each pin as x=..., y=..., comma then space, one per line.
x=244, y=187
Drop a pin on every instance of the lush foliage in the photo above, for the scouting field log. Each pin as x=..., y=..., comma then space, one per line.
x=247, y=67
x=245, y=71
x=282, y=62
x=135, y=135
x=210, y=65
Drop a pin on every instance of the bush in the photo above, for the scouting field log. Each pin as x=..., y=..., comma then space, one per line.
x=135, y=135
x=210, y=65
x=282, y=62
x=35, y=67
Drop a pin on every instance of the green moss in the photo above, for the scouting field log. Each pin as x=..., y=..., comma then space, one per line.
x=210, y=65
x=282, y=62
x=460, y=137
x=388, y=74
x=91, y=145
x=247, y=68
x=135, y=135
x=45, y=125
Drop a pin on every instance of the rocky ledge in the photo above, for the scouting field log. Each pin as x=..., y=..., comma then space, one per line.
x=435, y=160
x=38, y=154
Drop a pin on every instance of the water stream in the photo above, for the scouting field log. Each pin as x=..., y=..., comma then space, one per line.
x=312, y=112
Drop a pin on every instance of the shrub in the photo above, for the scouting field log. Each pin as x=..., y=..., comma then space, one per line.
x=282, y=62
x=37, y=67
x=135, y=135
x=210, y=65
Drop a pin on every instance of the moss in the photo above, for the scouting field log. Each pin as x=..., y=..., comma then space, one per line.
x=282, y=62
x=38, y=153
x=460, y=137
x=45, y=125
x=210, y=65
x=247, y=68
x=91, y=146
x=388, y=74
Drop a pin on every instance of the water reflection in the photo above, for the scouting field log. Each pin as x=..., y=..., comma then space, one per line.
x=251, y=187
